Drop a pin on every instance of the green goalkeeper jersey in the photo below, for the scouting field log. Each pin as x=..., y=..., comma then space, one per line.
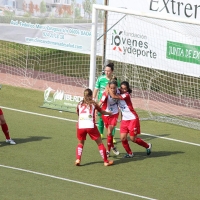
x=101, y=84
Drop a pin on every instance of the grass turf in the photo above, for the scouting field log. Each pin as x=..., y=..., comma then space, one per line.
x=47, y=145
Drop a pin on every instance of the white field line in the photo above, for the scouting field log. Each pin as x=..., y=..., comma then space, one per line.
x=32, y=113
x=175, y=140
x=78, y=182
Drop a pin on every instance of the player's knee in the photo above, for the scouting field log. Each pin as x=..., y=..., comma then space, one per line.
x=133, y=139
x=2, y=121
x=109, y=133
x=123, y=139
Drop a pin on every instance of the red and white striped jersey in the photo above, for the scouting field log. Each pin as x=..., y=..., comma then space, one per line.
x=126, y=107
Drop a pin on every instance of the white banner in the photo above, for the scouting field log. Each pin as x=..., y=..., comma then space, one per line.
x=58, y=24
x=180, y=8
x=158, y=44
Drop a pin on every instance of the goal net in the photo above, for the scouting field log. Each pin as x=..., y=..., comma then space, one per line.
x=61, y=75
x=158, y=56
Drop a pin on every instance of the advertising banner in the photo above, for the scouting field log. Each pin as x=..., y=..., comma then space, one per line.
x=154, y=43
x=185, y=9
x=59, y=100
x=58, y=24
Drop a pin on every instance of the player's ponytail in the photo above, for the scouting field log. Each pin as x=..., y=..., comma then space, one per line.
x=114, y=78
x=87, y=97
x=112, y=81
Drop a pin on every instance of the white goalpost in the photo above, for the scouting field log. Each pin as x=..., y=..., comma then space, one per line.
x=160, y=58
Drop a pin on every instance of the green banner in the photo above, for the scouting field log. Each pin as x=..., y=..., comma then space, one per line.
x=59, y=100
x=183, y=52
x=61, y=105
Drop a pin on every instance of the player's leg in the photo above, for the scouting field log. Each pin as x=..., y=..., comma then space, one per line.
x=5, y=129
x=123, y=137
x=114, y=131
x=113, y=134
x=81, y=136
x=106, y=120
x=102, y=151
x=139, y=141
x=79, y=151
x=100, y=124
x=95, y=135
x=135, y=130
x=110, y=122
x=125, y=144
x=110, y=141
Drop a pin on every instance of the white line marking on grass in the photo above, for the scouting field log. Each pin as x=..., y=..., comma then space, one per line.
x=32, y=113
x=78, y=182
x=181, y=141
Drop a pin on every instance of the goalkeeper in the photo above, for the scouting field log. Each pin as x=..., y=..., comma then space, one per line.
x=100, y=86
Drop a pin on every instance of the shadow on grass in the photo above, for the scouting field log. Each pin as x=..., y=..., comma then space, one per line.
x=25, y=140
x=138, y=156
x=92, y=163
x=146, y=138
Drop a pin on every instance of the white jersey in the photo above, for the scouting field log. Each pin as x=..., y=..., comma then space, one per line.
x=126, y=107
x=109, y=104
x=86, y=115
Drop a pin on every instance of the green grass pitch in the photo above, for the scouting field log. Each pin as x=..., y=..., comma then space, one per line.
x=41, y=165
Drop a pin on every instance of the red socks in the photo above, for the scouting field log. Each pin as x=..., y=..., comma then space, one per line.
x=141, y=142
x=79, y=150
x=5, y=130
x=110, y=142
x=102, y=151
x=126, y=146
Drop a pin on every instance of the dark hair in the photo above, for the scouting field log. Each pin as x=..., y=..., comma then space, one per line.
x=111, y=65
x=112, y=81
x=126, y=83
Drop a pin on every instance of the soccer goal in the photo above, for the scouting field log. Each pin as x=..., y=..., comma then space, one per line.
x=160, y=58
